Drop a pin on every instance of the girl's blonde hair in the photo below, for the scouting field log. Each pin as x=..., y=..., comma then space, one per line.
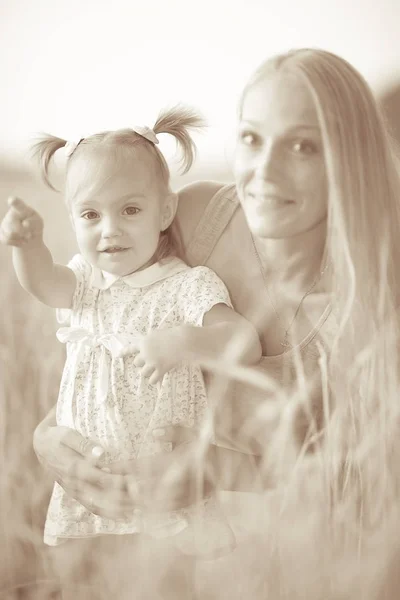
x=177, y=121
x=363, y=247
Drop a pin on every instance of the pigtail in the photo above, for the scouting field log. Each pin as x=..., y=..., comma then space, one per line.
x=178, y=121
x=43, y=151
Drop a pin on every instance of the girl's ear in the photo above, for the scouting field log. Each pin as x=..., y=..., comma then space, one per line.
x=71, y=219
x=169, y=209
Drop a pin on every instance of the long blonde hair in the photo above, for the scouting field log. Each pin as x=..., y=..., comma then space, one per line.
x=178, y=121
x=363, y=246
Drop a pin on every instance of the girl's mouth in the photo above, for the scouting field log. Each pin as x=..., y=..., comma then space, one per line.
x=114, y=249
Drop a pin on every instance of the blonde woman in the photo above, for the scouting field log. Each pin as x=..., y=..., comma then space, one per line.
x=307, y=242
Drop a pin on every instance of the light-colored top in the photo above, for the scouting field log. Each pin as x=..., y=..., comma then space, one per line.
x=215, y=233
x=222, y=241
x=106, y=398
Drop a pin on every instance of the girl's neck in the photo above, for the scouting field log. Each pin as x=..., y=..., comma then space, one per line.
x=296, y=261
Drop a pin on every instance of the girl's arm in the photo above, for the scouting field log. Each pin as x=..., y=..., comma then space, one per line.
x=22, y=228
x=223, y=331
x=224, y=335
x=37, y=273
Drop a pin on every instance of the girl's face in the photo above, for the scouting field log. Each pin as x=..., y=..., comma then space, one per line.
x=118, y=212
x=279, y=163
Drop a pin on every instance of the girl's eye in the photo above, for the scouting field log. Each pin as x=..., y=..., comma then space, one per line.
x=304, y=147
x=131, y=210
x=90, y=215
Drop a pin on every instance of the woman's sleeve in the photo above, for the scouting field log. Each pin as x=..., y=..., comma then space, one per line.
x=82, y=271
x=201, y=290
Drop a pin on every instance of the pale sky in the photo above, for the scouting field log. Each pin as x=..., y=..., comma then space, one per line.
x=75, y=67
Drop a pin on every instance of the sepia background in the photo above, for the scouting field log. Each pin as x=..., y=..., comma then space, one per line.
x=75, y=67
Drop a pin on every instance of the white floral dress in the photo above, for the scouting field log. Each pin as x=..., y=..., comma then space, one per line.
x=106, y=398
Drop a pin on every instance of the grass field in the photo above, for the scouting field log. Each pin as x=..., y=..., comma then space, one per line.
x=299, y=554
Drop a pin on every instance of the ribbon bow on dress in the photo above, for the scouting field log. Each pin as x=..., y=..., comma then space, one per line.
x=114, y=343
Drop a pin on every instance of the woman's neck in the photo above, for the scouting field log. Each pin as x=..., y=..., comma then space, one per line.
x=296, y=261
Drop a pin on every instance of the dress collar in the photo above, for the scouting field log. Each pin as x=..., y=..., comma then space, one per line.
x=157, y=272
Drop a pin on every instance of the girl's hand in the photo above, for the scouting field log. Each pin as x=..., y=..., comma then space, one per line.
x=21, y=225
x=157, y=353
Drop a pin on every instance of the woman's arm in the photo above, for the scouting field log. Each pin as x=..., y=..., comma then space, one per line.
x=157, y=483
x=73, y=461
x=236, y=471
x=173, y=480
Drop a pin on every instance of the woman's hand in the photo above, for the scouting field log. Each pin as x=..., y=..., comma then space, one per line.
x=156, y=483
x=74, y=463
x=171, y=480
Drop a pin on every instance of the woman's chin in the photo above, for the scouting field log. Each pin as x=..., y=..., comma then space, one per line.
x=270, y=231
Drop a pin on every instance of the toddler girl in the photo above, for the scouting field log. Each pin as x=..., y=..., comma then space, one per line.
x=133, y=314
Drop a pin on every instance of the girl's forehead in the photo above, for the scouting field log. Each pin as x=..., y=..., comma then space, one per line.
x=105, y=174
x=280, y=98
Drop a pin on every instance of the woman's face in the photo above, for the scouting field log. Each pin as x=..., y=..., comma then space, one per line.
x=279, y=164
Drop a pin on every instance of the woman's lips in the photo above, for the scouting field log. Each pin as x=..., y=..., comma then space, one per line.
x=269, y=200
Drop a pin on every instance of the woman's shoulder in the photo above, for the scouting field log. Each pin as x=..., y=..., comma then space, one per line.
x=200, y=191
x=193, y=201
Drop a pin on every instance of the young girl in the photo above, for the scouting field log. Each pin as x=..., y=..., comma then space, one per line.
x=132, y=313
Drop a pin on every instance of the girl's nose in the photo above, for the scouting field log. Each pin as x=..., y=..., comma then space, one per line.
x=111, y=227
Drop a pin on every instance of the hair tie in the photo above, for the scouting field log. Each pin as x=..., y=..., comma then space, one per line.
x=71, y=146
x=146, y=132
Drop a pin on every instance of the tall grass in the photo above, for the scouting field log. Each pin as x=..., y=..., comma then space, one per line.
x=306, y=540
x=30, y=367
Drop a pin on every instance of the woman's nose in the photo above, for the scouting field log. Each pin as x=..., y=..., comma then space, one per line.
x=269, y=162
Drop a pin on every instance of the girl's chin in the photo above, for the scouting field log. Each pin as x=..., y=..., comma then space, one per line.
x=117, y=263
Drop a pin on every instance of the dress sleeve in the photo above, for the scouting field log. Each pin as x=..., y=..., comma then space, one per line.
x=82, y=271
x=201, y=290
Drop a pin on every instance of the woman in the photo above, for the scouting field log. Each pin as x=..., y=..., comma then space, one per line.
x=307, y=242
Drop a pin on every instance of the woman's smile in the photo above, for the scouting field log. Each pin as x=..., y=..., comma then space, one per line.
x=269, y=201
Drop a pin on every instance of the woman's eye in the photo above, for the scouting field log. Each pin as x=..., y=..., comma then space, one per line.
x=90, y=215
x=304, y=147
x=248, y=138
x=131, y=210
